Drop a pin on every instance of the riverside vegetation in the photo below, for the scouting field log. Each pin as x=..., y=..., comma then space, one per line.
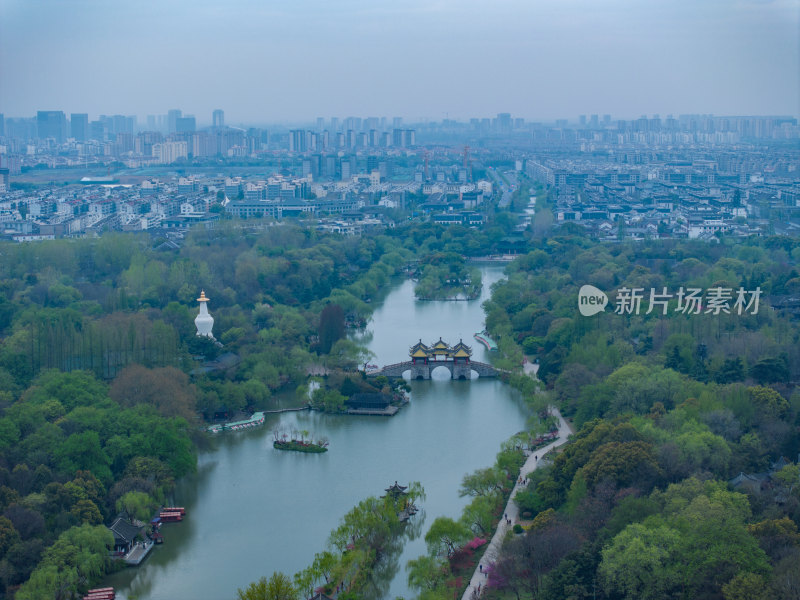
x=96, y=333
x=98, y=412
x=645, y=502
x=369, y=537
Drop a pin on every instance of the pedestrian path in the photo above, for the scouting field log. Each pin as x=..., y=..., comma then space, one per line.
x=490, y=555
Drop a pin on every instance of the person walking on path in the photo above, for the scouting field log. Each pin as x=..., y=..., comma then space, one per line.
x=492, y=549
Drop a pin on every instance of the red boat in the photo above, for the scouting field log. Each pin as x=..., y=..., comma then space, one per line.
x=177, y=509
x=170, y=517
x=106, y=593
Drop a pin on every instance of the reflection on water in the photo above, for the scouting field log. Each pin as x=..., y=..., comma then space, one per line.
x=252, y=510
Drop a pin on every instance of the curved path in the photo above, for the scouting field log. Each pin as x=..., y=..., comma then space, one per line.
x=492, y=551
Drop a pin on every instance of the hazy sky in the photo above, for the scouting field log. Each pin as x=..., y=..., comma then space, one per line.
x=266, y=61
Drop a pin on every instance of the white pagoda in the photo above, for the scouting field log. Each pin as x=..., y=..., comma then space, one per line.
x=204, y=321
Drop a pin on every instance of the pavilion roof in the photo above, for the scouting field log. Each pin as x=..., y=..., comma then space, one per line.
x=461, y=349
x=418, y=346
x=397, y=489
x=124, y=529
x=440, y=345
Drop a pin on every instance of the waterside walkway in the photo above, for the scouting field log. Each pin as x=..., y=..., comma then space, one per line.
x=492, y=551
x=138, y=553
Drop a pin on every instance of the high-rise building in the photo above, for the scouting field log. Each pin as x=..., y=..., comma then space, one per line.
x=404, y=138
x=329, y=166
x=79, y=126
x=2, y=124
x=172, y=118
x=51, y=124
x=119, y=124
x=124, y=142
x=97, y=130
x=185, y=124
x=504, y=122
x=218, y=118
x=169, y=152
x=297, y=140
x=348, y=167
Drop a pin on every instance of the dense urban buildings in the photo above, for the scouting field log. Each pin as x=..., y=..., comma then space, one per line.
x=677, y=176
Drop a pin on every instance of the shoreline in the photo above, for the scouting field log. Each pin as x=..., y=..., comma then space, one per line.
x=492, y=551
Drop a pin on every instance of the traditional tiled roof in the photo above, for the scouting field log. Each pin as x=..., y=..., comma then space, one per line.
x=124, y=530
x=419, y=345
x=440, y=345
x=396, y=489
x=461, y=350
x=419, y=350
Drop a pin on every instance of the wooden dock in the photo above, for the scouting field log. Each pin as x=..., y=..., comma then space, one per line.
x=138, y=553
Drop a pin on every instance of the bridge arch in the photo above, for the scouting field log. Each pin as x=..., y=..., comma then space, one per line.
x=424, y=370
x=438, y=369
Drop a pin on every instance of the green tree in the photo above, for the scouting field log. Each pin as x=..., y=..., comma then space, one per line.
x=84, y=451
x=137, y=505
x=8, y=535
x=478, y=515
x=78, y=557
x=747, y=586
x=483, y=482
x=623, y=463
x=331, y=327
x=426, y=573
x=769, y=402
x=86, y=511
x=446, y=536
x=277, y=587
x=642, y=563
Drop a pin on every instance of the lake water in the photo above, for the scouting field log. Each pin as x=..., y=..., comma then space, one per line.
x=252, y=510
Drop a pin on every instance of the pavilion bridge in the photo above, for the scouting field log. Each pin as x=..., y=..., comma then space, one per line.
x=424, y=359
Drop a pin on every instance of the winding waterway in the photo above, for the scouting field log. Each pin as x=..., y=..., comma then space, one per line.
x=252, y=510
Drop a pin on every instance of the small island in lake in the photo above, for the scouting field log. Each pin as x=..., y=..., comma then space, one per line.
x=446, y=276
x=298, y=441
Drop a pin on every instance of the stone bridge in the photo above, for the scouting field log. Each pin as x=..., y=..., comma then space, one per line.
x=458, y=370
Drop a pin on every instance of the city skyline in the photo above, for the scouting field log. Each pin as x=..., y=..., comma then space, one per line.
x=168, y=120
x=283, y=63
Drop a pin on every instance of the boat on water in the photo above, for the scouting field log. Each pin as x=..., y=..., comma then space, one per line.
x=484, y=339
x=254, y=421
